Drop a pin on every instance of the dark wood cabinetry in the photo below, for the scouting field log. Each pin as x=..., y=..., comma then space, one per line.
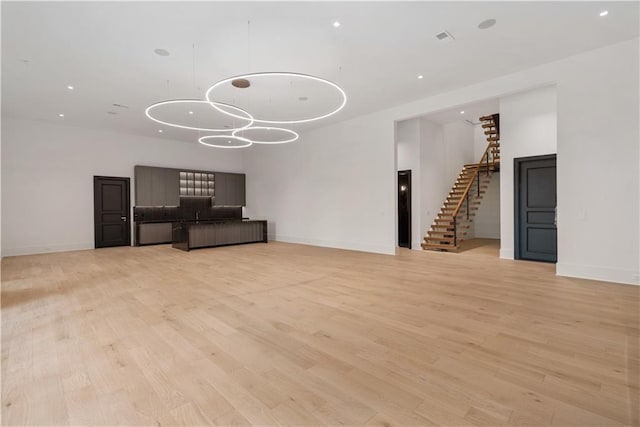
x=156, y=186
x=171, y=180
x=230, y=189
x=153, y=233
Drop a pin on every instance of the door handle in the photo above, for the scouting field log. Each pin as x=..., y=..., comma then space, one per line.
x=124, y=218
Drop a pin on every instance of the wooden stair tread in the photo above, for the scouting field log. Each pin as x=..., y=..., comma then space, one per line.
x=427, y=239
x=444, y=247
x=473, y=166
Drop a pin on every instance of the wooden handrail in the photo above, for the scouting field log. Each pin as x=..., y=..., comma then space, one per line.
x=475, y=175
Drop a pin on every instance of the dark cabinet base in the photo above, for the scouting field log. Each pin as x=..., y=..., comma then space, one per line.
x=187, y=236
x=153, y=233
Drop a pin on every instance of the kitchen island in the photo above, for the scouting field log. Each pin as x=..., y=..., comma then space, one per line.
x=187, y=235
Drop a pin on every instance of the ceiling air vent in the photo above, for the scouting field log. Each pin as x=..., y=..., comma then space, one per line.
x=444, y=36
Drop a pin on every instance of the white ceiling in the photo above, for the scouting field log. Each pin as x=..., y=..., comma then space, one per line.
x=472, y=112
x=105, y=50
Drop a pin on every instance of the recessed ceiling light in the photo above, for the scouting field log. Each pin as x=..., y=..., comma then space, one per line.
x=462, y=112
x=303, y=98
x=604, y=13
x=190, y=112
x=420, y=77
x=113, y=113
x=487, y=23
x=60, y=115
x=160, y=131
x=336, y=24
x=161, y=52
x=70, y=87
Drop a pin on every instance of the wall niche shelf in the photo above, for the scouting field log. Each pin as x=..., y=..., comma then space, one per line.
x=197, y=184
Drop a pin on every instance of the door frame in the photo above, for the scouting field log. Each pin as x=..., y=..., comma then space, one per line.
x=127, y=181
x=517, y=166
x=408, y=173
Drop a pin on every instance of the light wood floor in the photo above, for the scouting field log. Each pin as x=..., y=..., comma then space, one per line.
x=489, y=247
x=296, y=335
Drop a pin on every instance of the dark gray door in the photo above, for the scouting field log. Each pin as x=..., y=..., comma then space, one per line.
x=111, y=211
x=535, y=203
x=404, y=209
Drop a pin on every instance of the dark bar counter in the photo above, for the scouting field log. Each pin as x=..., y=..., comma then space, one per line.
x=189, y=235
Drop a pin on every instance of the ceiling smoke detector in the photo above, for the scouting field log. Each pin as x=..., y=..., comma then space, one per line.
x=444, y=36
x=241, y=83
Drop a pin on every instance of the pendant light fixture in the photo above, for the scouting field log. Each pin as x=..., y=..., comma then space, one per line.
x=232, y=105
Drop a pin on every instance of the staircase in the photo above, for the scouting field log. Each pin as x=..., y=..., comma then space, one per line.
x=453, y=221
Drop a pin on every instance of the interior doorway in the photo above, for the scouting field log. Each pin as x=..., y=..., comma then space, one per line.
x=535, y=209
x=111, y=203
x=404, y=209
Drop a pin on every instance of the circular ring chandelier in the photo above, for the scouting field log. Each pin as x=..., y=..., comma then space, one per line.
x=225, y=141
x=238, y=135
x=248, y=77
x=218, y=107
x=293, y=135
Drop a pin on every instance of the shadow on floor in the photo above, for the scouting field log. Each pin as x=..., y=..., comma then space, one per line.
x=489, y=247
x=16, y=297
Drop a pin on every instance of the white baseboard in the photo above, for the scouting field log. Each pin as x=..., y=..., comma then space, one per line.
x=506, y=253
x=377, y=249
x=32, y=250
x=606, y=274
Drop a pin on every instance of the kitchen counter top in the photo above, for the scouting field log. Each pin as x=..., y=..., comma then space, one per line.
x=215, y=221
x=185, y=221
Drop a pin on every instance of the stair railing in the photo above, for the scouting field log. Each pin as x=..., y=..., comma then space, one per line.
x=465, y=194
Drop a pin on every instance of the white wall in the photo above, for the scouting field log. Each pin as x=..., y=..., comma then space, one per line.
x=408, y=145
x=486, y=223
x=598, y=84
x=47, y=178
x=459, y=145
x=479, y=142
x=528, y=127
x=598, y=167
x=334, y=187
x=433, y=161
